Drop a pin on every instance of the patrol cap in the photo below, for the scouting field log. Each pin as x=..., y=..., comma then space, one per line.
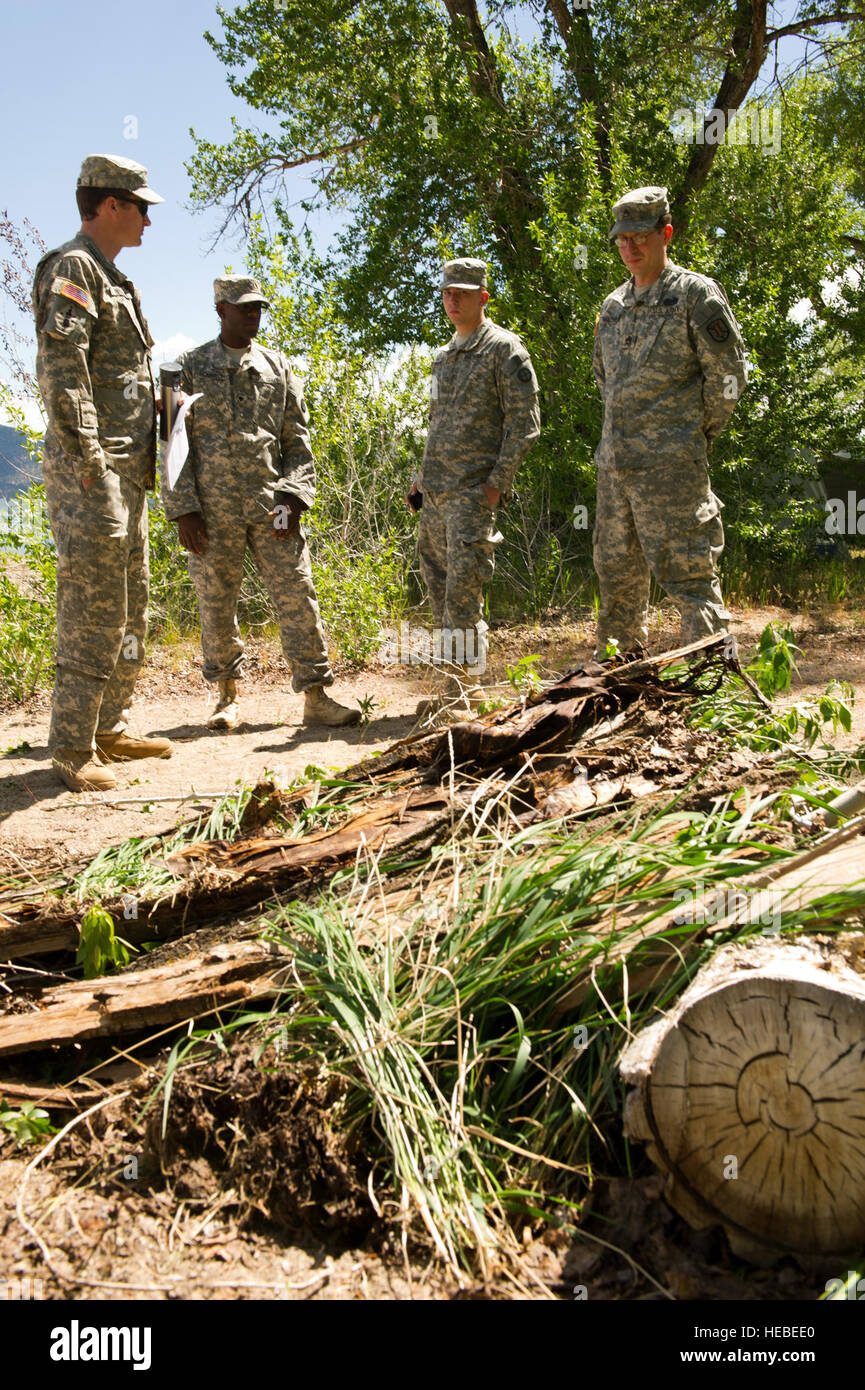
x=639, y=210
x=113, y=171
x=467, y=274
x=238, y=289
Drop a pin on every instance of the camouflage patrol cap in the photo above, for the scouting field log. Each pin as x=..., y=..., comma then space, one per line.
x=639, y=210
x=467, y=274
x=238, y=289
x=113, y=171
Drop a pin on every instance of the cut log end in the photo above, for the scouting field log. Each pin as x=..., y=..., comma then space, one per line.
x=751, y=1094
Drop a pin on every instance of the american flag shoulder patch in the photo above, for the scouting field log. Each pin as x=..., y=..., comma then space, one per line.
x=73, y=291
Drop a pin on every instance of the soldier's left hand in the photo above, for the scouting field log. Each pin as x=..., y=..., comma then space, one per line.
x=492, y=494
x=286, y=516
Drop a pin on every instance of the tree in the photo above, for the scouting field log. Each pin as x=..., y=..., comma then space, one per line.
x=440, y=130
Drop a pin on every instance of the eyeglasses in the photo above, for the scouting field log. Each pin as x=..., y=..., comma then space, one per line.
x=143, y=208
x=636, y=238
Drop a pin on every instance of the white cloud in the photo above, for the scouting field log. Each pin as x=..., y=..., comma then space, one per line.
x=30, y=408
x=169, y=349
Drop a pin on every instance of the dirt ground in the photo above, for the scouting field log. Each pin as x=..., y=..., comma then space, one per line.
x=93, y=1221
x=41, y=822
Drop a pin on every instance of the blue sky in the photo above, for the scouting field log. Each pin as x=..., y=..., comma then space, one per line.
x=74, y=75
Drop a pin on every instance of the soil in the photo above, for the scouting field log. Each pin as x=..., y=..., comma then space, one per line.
x=242, y=1204
x=43, y=823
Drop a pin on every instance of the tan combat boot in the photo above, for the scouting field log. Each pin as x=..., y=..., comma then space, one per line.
x=319, y=708
x=226, y=714
x=123, y=747
x=78, y=768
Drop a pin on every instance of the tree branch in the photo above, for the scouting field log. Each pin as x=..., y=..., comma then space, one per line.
x=562, y=15
x=840, y=17
x=749, y=47
x=472, y=40
x=576, y=30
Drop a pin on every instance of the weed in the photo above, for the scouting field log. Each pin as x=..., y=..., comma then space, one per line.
x=523, y=676
x=367, y=705
x=99, y=950
x=27, y=1123
x=774, y=662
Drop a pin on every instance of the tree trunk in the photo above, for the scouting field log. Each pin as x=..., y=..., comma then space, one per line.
x=750, y=1097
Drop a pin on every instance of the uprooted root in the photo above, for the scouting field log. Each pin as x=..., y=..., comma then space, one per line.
x=272, y=1134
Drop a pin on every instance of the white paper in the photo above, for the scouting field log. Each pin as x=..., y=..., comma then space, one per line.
x=177, y=449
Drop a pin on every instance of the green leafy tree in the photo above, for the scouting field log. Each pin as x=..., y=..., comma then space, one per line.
x=437, y=129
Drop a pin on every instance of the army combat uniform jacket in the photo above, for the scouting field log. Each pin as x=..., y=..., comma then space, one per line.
x=670, y=367
x=248, y=435
x=93, y=365
x=484, y=414
x=249, y=448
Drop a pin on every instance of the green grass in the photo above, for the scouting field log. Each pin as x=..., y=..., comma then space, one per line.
x=465, y=1087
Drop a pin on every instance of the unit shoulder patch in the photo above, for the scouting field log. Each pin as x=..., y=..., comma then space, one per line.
x=719, y=329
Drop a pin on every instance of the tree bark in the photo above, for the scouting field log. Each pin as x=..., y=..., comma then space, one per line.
x=223, y=976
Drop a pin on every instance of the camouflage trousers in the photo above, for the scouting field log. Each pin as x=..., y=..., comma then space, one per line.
x=663, y=521
x=457, y=539
x=286, y=572
x=102, y=584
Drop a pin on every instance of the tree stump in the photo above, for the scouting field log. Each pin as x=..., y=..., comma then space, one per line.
x=751, y=1096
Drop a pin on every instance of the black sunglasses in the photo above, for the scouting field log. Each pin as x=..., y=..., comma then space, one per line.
x=143, y=208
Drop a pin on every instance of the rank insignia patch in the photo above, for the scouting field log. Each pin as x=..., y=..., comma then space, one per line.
x=718, y=329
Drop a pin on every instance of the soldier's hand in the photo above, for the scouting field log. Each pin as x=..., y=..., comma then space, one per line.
x=286, y=515
x=492, y=494
x=191, y=532
x=412, y=492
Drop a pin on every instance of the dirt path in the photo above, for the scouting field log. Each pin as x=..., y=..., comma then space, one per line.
x=41, y=822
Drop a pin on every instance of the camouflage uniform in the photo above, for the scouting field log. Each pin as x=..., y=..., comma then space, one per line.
x=484, y=418
x=248, y=447
x=670, y=366
x=94, y=373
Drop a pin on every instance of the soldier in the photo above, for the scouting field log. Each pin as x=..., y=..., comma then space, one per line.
x=669, y=362
x=484, y=418
x=249, y=477
x=93, y=368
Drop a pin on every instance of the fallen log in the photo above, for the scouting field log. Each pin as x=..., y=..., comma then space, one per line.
x=247, y=873
x=166, y=994
x=825, y=871
x=749, y=1097
x=545, y=723
x=216, y=879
